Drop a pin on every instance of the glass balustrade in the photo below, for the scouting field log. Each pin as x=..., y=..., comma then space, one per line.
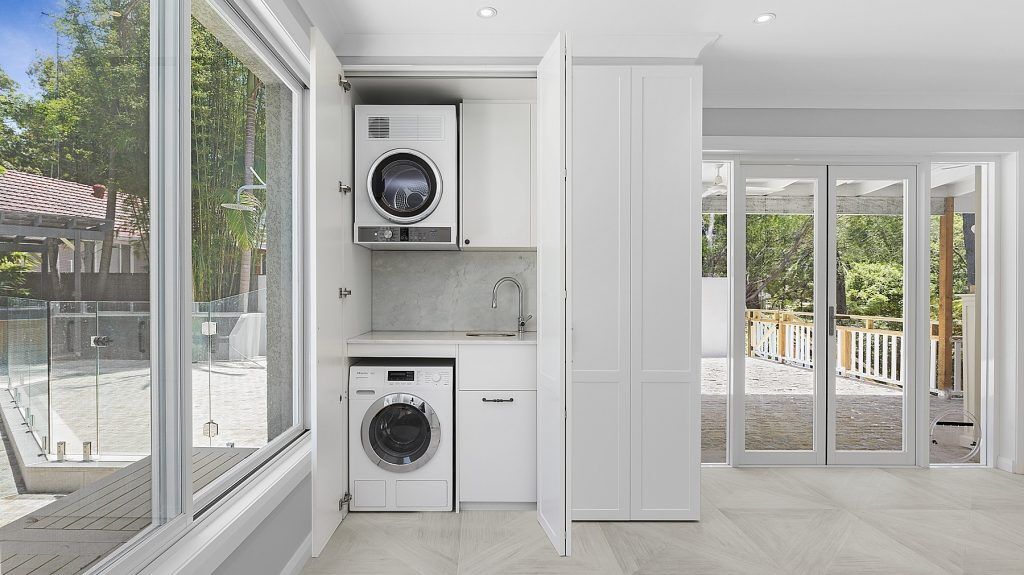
x=78, y=374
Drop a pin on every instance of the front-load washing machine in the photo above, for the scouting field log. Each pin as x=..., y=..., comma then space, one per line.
x=406, y=177
x=401, y=435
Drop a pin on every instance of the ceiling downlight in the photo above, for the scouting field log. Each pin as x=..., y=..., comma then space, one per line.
x=765, y=18
x=487, y=12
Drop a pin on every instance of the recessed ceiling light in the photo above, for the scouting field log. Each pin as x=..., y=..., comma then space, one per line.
x=764, y=18
x=487, y=12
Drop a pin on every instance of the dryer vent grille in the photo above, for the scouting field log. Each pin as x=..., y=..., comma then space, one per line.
x=405, y=127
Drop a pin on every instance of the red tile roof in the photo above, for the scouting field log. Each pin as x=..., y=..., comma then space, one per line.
x=33, y=194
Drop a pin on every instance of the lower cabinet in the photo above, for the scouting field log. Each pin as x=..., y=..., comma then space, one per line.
x=497, y=447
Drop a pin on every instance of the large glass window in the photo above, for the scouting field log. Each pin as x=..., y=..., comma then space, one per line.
x=243, y=384
x=75, y=385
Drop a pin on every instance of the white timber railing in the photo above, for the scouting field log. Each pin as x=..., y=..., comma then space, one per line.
x=863, y=349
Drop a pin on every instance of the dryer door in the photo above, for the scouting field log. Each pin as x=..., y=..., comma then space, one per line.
x=400, y=432
x=404, y=186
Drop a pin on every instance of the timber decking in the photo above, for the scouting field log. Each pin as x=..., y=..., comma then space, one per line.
x=75, y=531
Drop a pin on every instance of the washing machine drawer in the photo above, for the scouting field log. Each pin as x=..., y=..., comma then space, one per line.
x=497, y=448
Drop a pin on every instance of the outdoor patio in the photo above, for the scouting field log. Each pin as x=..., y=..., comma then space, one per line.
x=779, y=404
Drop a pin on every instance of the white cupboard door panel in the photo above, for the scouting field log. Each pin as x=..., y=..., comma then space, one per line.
x=498, y=446
x=599, y=280
x=665, y=292
x=330, y=107
x=600, y=432
x=553, y=448
x=497, y=175
x=498, y=366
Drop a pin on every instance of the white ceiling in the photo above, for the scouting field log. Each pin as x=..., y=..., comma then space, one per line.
x=818, y=53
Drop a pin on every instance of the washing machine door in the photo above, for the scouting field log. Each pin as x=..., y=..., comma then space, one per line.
x=400, y=432
x=404, y=186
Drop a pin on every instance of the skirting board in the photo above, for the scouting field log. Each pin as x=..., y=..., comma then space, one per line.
x=483, y=506
x=299, y=559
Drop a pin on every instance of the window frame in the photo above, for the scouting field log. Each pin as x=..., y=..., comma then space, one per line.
x=230, y=13
x=170, y=268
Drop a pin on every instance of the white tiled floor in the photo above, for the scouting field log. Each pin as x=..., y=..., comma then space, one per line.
x=771, y=521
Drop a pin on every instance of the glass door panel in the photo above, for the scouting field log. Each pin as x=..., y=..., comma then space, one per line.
x=870, y=388
x=783, y=386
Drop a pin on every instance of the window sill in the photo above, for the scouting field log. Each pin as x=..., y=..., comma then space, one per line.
x=211, y=539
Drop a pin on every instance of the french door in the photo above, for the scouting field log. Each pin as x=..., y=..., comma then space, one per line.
x=826, y=372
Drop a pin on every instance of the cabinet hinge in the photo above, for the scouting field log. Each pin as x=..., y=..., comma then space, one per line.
x=344, y=293
x=344, y=188
x=345, y=84
x=344, y=499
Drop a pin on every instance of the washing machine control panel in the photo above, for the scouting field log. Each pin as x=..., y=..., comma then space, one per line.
x=419, y=377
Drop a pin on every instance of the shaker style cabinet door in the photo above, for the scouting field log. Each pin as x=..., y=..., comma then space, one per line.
x=498, y=176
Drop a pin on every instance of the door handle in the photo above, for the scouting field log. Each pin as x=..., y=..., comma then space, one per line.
x=831, y=320
x=509, y=400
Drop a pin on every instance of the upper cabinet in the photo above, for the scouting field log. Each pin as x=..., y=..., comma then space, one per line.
x=497, y=166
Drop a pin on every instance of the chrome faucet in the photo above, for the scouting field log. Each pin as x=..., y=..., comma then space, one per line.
x=494, y=301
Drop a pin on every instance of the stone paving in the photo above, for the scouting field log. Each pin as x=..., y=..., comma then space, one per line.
x=779, y=404
x=232, y=393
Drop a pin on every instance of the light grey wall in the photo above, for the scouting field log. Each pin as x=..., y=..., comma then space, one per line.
x=864, y=123
x=450, y=291
x=276, y=540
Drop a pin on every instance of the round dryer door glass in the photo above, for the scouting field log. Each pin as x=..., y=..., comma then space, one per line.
x=400, y=432
x=404, y=186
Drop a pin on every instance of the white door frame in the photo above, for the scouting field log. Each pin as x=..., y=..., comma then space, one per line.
x=916, y=262
x=1003, y=443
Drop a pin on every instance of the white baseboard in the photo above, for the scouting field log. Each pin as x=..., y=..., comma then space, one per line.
x=298, y=561
x=1004, y=463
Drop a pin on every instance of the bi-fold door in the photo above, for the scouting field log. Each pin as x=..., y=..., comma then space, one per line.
x=827, y=368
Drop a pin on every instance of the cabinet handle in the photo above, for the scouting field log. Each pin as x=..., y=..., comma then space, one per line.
x=509, y=400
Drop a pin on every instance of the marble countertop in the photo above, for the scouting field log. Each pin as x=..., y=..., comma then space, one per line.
x=439, y=337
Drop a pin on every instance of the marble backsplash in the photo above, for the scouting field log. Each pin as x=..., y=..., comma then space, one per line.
x=450, y=291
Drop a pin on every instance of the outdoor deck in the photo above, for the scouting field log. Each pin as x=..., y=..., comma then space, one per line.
x=779, y=404
x=71, y=533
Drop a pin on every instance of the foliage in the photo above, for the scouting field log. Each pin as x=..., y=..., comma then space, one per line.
x=875, y=288
x=13, y=267
x=780, y=262
x=90, y=124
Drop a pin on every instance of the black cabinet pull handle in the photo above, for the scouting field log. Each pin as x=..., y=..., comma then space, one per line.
x=509, y=400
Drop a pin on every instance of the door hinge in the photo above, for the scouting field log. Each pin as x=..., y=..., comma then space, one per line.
x=344, y=293
x=344, y=499
x=344, y=188
x=345, y=84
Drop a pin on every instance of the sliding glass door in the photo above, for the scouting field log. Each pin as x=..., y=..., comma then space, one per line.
x=826, y=368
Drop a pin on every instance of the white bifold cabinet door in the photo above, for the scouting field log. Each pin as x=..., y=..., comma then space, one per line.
x=335, y=262
x=553, y=447
x=664, y=296
x=599, y=301
x=634, y=297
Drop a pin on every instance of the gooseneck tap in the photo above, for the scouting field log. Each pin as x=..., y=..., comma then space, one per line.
x=494, y=301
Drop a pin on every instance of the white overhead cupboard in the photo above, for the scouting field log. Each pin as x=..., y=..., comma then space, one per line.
x=497, y=159
x=634, y=295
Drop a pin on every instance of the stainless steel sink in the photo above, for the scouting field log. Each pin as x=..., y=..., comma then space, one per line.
x=491, y=333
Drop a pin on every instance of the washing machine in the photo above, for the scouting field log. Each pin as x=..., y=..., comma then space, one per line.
x=406, y=177
x=401, y=435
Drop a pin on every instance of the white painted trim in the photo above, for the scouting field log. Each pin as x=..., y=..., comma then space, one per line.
x=301, y=556
x=215, y=535
x=273, y=31
x=439, y=71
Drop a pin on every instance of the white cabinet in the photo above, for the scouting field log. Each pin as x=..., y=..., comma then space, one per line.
x=498, y=447
x=635, y=294
x=496, y=423
x=497, y=158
